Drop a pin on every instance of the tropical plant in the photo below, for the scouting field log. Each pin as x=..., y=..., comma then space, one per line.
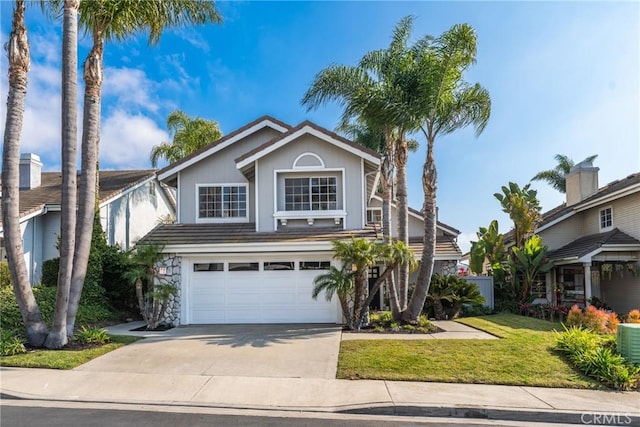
x=443, y=102
x=372, y=92
x=557, y=177
x=189, y=135
x=464, y=292
x=529, y=261
x=350, y=283
x=489, y=247
x=18, y=61
x=339, y=282
x=440, y=290
x=523, y=207
x=106, y=21
x=152, y=290
x=91, y=335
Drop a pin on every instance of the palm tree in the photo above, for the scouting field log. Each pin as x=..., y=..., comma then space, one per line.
x=339, y=282
x=443, y=102
x=371, y=93
x=189, y=135
x=557, y=177
x=114, y=20
x=18, y=53
x=57, y=337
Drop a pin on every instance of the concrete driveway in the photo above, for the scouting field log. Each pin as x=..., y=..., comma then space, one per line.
x=282, y=351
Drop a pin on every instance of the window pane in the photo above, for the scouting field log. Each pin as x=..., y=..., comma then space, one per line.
x=212, y=266
x=244, y=266
x=278, y=265
x=222, y=202
x=315, y=265
x=296, y=194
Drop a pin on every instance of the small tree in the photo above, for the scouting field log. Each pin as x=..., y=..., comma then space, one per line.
x=338, y=282
x=529, y=261
x=151, y=290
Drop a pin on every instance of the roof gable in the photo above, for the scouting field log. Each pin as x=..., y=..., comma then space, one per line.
x=307, y=128
x=222, y=143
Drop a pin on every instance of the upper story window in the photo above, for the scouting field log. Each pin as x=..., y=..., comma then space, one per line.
x=606, y=219
x=222, y=201
x=311, y=194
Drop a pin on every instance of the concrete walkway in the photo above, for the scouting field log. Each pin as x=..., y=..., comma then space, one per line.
x=452, y=331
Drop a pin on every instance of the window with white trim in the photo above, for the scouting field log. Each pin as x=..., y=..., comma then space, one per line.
x=374, y=216
x=606, y=218
x=218, y=201
x=311, y=194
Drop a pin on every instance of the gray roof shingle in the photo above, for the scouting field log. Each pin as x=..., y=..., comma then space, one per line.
x=590, y=243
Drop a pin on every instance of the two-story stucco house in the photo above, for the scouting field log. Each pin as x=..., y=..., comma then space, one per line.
x=257, y=212
x=594, y=240
x=131, y=203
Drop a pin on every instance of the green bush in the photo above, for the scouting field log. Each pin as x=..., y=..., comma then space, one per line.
x=119, y=291
x=11, y=344
x=5, y=275
x=50, y=272
x=90, y=335
x=90, y=311
x=595, y=356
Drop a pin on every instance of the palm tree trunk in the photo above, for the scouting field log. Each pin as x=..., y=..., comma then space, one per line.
x=429, y=180
x=400, y=160
x=438, y=309
x=18, y=52
x=386, y=173
x=58, y=335
x=88, y=175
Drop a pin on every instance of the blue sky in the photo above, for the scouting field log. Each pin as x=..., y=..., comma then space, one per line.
x=564, y=77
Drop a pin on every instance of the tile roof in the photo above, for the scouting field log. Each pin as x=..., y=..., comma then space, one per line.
x=445, y=246
x=223, y=139
x=440, y=223
x=291, y=131
x=182, y=234
x=112, y=183
x=588, y=244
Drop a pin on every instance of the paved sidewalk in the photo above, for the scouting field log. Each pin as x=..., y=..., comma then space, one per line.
x=320, y=395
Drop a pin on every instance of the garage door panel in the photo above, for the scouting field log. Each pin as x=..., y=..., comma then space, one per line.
x=274, y=296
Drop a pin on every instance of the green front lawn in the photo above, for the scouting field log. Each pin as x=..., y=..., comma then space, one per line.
x=64, y=359
x=523, y=356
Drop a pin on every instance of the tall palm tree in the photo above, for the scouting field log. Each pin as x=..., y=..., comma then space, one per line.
x=189, y=135
x=557, y=177
x=57, y=337
x=443, y=102
x=339, y=282
x=18, y=53
x=107, y=21
x=371, y=92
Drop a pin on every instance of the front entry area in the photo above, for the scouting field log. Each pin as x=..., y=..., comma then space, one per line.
x=255, y=288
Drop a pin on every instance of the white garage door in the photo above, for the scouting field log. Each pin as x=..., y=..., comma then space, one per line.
x=249, y=291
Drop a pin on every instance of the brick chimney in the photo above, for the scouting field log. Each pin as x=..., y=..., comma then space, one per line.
x=30, y=171
x=582, y=182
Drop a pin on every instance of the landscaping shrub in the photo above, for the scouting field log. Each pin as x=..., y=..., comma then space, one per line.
x=50, y=272
x=594, y=319
x=633, y=316
x=5, y=275
x=595, y=356
x=119, y=291
x=90, y=335
x=11, y=344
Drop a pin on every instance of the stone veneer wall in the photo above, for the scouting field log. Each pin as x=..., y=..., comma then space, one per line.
x=448, y=267
x=173, y=264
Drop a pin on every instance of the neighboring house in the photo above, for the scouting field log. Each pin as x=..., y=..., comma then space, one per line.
x=131, y=203
x=257, y=212
x=594, y=241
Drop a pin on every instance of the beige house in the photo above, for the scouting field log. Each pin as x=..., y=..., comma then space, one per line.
x=594, y=240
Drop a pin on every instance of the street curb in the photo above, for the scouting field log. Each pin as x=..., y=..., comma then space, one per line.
x=490, y=413
x=382, y=409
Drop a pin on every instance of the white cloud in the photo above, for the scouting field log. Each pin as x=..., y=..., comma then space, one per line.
x=127, y=140
x=131, y=89
x=194, y=38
